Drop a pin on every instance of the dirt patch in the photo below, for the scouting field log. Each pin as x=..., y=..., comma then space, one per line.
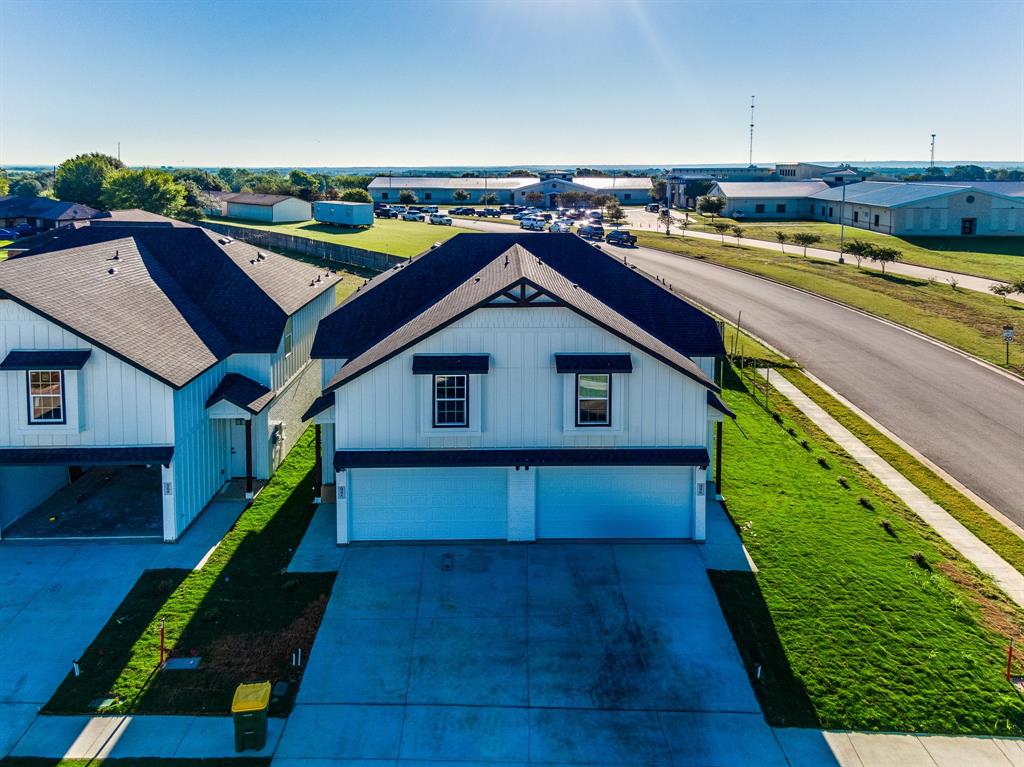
x=997, y=613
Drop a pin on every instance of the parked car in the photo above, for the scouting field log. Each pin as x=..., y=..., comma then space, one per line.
x=440, y=218
x=534, y=223
x=429, y=208
x=596, y=215
x=620, y=237
x=386, y=212
x=561, y=225
x=8, y=234
x=508, y=209
x=653, y=207
x=591, y=232
x=574, y=214
x=491, y=212
x=413, y=215
x=467, y=211
x=399, y=209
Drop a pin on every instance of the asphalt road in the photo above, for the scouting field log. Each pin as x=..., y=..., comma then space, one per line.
x=965, y=417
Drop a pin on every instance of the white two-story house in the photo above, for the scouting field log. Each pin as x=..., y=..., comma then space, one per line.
x=147, y=364
x=517, y=387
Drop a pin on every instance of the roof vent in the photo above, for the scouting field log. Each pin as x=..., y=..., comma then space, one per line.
x=252, y=260
x=260, y=257
x=312, y=283
x=112, y=270
x=318, y=278
x=117, y=255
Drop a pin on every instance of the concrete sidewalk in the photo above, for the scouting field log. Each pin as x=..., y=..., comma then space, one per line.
x=1007, y=577
x=812, y=748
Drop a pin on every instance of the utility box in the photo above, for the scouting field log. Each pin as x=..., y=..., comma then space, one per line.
x=249, y=710
x=344, y=213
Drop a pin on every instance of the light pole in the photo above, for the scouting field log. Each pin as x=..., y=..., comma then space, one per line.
x=842, y=224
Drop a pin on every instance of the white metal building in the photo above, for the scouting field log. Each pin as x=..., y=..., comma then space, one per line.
x=510, y=387
x=271, y=208
x=177, y=355
x=767, y=199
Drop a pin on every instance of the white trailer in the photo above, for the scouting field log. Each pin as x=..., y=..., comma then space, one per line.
x=344, y=213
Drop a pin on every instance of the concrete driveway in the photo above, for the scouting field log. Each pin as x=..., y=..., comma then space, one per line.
x=574, y=653
x=55, y=597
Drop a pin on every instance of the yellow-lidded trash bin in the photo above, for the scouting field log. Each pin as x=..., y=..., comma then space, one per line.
x=249, y=710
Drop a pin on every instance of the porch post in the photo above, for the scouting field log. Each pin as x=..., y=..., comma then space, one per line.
x=248, y=459
x=318, y=467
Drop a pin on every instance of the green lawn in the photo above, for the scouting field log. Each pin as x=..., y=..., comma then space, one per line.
x=966, y=319
x=3, y=244
x=850, y=630
x=1002, y=540
x=242, y=613
x=1000, y=258
x=387, y=235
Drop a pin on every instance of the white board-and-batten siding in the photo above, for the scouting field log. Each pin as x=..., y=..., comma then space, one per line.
x=119, y=404
x=522, y=398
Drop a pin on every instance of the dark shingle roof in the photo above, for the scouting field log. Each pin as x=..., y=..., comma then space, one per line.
x=436, y=288
x=171, y=300
x=46, y=359
x=16, y=206
x=561, y=456
x=85, y=456
x=242, y=391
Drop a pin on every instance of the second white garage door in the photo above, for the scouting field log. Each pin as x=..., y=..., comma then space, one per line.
x=428, y=504
x=614, y=502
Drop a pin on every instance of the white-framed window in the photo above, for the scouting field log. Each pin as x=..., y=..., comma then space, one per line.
x=46, y=402
x=450, y=401
x=593, y=399
x=288, y=339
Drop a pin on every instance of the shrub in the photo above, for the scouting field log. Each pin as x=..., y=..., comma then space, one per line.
x=805, y=444
x=922, y=562
x=823, y=462
x=843, y=482
x=777, y=417
x=866, y=503
x=887, y=526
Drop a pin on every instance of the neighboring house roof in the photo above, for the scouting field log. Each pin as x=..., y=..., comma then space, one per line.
x=133, y=216
x=46, y=359
x=735, y=190
x=890, y=194
x=560, y=456
x=170, y=300
x=267, y=200
x=16, y=206
x=414, y=300
x=240, y=390
x=85, y=456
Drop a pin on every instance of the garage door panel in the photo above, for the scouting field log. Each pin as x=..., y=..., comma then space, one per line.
x=614, y=502
x=428, y=504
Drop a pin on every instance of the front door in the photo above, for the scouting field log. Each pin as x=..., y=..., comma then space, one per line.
x=238, y=447
x=967, y=225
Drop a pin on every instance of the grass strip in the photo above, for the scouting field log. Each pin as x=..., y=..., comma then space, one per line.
x=243, y=614
x=1002, y=540
x=966, y=320
x=861, y=616
x=1000, y=258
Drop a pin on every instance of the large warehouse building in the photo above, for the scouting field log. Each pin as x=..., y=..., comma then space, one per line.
x=513, y=190
x=890, y=207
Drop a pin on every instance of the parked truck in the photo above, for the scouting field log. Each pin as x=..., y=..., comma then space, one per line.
x=344, y=213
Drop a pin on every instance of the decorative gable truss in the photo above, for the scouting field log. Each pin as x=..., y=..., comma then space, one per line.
x=523, y=294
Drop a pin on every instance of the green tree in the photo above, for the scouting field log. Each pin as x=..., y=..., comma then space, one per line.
x=408, y=197
x=5, y=183
x=460, y=195
x=573, y=199
x=967, y=173
x=737, y=232
x=860, y=250
x=710, y=205
x=26, y=187
x=781, y=237
x=148, y=189
x=602, y=200
x=521, y=173
x=306, y=184
x=933, y=172
x=1001, y=289
x=202, y=179
x=534, y=198
x=197, y=201
x=614, y=214
x=721, y=228
x=806, y=239
x=885, y=256
x=81, y=178
x=659, y=189
x=355, y=195
x=489, y=199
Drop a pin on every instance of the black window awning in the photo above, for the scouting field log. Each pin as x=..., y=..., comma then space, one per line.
x=574, y=456
x=593, y=363
x=46, y=359
x=85, y=456
x=449, y=364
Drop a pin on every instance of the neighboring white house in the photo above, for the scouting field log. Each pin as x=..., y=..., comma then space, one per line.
x=170, y=357
x=510, y=387
x=767, y=199
x=629, y=190
x=272, y=208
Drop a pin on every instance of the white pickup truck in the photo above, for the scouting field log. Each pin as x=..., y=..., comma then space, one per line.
x=536, y=224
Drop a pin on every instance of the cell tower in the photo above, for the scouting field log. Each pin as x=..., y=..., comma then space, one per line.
x=750, y=159
x=932, y=163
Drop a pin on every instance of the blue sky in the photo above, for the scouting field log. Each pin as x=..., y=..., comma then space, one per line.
x=495, y=83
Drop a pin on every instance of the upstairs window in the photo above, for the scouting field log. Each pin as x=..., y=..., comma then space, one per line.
x=451, y=401
x=593, y=399
x=46, y=397
x=288, y=337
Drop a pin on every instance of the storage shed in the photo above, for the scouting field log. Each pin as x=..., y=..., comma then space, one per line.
x=271, y=208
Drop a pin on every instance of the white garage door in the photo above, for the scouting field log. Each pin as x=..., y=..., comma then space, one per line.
x=614, y=502
x=428, y=504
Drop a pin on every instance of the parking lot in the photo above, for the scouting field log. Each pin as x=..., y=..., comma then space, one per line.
x=572, y=652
